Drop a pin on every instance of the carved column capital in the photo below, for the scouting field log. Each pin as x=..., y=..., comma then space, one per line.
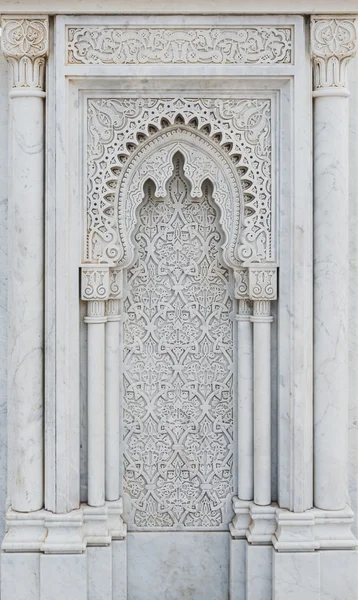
x=333, y=44
x=263, y=282
x=24, y=42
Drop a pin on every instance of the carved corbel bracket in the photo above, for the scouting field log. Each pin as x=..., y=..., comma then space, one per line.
x=333, y=44
x=24, y=42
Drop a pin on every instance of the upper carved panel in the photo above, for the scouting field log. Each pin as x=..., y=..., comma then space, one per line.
x=24, y=43
x=237, y=130
x=125, y=45
x=333, y=44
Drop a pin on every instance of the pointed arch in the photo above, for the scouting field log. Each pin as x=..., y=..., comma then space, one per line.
x=202, y=161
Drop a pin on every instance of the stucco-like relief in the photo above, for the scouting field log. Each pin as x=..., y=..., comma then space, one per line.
x=237, y=135
x=178, y=365
x=254, y=45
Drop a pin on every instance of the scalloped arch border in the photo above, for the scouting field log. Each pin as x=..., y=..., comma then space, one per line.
x=202, y=161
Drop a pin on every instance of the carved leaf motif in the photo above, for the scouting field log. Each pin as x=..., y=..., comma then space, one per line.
x=119, y=45
x=178, y=367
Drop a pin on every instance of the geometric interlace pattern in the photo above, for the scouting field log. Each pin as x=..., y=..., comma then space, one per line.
x=178, y=366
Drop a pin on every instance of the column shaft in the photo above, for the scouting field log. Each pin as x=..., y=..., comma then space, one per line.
x=96, y=402
x=330, y=301
x=245, y=402
x=113, y=333
x=26, y=305
x=262, y=402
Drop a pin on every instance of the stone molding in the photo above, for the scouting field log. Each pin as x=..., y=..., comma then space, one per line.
x=287, y=531
x=25, y=42
x=333, y=44
x=65, y=533
x=249, y=45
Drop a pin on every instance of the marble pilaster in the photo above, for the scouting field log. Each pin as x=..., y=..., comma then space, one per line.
x=25, y=45
x=333, y=43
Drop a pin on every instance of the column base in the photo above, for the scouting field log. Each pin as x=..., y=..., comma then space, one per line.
x=46, y=555
x=68, y=533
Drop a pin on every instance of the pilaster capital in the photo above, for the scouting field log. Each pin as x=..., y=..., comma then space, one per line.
x=95, y=282
x=333, y=44
x=263, y=282
x=25, y=42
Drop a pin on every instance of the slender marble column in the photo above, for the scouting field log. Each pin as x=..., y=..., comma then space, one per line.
x=262, y=402
x=95, y=289
x=25, y=45
x=245, y=402
x=113, y=361
x=262, y=289
x=333, y=42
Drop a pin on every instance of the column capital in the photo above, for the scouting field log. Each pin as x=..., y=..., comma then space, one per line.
x=24, y=42
x=333, y=44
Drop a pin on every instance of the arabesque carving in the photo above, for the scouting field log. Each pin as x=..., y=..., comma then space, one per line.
x=237, y=131
x=333, y=44
x=24, y=42
x=98, y=45
x=178, y=366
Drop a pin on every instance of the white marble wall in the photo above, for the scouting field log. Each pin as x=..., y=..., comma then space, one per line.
x=3, y=286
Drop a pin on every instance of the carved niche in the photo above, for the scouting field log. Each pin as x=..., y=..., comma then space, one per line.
x=229, y=136
x=180, y=200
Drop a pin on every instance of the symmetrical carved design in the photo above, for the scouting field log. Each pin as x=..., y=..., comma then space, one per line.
x=235, y=133
x=24, y=42
x=201, y=162
x=263, y=283
x=125, y=45
x=178, y=365
x=333, y=44
x=95, y=282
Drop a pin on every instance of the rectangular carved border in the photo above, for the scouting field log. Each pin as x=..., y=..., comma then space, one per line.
x=249, y=45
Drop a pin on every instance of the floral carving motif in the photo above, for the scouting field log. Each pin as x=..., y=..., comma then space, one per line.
x=178, y=366
x=25, y=44
x=95, y=283
x=263, y=283
x=117, y=128
x=333, y=43
x=126, y=45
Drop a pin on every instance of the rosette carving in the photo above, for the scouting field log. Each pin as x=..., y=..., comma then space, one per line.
x=24, y=42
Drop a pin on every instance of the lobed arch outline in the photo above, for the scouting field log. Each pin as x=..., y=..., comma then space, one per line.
x=203, y=160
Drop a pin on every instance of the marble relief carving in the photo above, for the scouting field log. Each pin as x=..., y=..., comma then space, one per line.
x=333, y=44
x=237, y=130
x=178, y=366
x=124, y=45
x=24, y=42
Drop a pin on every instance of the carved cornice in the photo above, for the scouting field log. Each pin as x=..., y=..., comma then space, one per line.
x=333, y=44
x=24, y=42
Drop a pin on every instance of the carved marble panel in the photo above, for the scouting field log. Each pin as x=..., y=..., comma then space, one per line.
x=178, y=366
x=239, y=128
x=251, y=45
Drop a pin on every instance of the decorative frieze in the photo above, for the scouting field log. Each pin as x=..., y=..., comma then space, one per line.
x=333, y=44
x=24, y=42
x=249, y=45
